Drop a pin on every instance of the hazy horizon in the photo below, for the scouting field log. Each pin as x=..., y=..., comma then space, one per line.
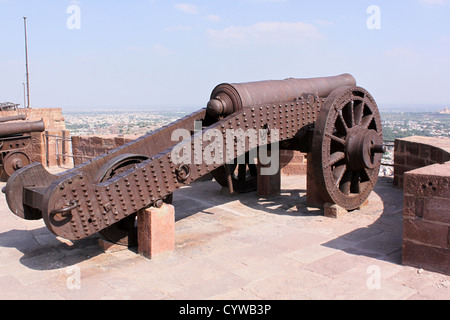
x=110, y=54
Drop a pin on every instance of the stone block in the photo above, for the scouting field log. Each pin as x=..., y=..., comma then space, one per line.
x=426, y=257
x=156, y=231
x=332, y=210
x=427, y=233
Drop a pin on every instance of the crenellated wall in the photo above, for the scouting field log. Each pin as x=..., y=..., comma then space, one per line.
x=422, y=169
x=417, y=152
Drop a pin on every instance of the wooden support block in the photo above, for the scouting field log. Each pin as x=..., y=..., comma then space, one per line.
x=156, y=231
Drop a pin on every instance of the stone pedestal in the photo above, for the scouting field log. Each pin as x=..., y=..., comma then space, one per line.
x=156, y=231
x=426, y=218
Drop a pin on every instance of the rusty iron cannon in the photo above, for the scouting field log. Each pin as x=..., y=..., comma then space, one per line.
x=13, y=118
x=15, y=143
x=331, y=118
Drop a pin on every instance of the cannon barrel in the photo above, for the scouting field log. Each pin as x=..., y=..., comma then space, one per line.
x=13, y=118
x=228, y=98
x=10, y=129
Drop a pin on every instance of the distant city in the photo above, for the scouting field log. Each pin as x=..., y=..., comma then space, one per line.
x=395, y=124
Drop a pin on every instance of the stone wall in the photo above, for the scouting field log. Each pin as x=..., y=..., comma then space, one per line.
x=417, y=152
x=426, y=230
x=55, y=126
x=293, y=163
x=85, y=148
x=422, y=169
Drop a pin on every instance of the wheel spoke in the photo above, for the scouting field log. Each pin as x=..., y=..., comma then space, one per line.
x=336, y=157
x=335, y=138
x=359, y=112
x=347, y=113
x=355, y=187
x=338, y=173
x=341, y=125
x=366, y=121
x=346, y=183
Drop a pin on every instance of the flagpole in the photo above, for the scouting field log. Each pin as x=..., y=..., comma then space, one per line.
x=26, y=63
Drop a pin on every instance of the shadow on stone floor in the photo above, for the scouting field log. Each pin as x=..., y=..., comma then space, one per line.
x=52, y=256
x=383, y=239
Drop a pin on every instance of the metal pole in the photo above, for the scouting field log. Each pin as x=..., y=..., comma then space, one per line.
x=24, y=96
x=26, y=62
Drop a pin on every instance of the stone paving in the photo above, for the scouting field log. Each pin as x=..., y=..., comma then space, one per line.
x=228, y=248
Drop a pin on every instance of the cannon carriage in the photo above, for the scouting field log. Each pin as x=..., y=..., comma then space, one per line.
x=331, y=118
x=15, y=143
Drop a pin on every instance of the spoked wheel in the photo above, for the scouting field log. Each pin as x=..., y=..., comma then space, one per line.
x=123, y=232
x=347, y=147
x=241, y=178
x=15, y=161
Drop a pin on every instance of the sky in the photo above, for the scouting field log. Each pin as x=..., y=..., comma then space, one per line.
x=87, y=55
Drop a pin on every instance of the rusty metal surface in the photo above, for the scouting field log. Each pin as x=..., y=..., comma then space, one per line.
x=347, y=147
x=105, y=193
x=13, y=118
x=10, y=129
x=15, y=144
x=228, y=98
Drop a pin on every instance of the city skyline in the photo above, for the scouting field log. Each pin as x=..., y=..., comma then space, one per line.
x=147, y=54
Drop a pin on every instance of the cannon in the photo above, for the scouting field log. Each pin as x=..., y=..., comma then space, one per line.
x=13, y=118
x=15, y=143
x=331, y=118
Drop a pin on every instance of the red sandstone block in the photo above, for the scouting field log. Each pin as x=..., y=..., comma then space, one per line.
x=425, y=151
x=156, y=231
x=119, y=141
x=412, y=148
x=437, y=210
x=109, y=143
x=427, y=233
x=409, y=206
x=285, y=159
x=401, y=169
x=96, y=142
x=294, y=170
x=399, y=158
x=416, y=162
x=432, y=181
x=426, y=257
x=334, y=211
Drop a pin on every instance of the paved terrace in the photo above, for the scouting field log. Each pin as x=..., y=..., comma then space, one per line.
x=238, y=247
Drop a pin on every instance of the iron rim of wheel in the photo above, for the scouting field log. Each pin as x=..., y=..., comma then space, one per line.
x=243, y=176
x=347, y=147
x=124, y=232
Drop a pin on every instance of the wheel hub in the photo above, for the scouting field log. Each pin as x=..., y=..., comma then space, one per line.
x=361, y=147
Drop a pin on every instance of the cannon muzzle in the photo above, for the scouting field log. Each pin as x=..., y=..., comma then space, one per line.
x=11, y=129
x=229, y=98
